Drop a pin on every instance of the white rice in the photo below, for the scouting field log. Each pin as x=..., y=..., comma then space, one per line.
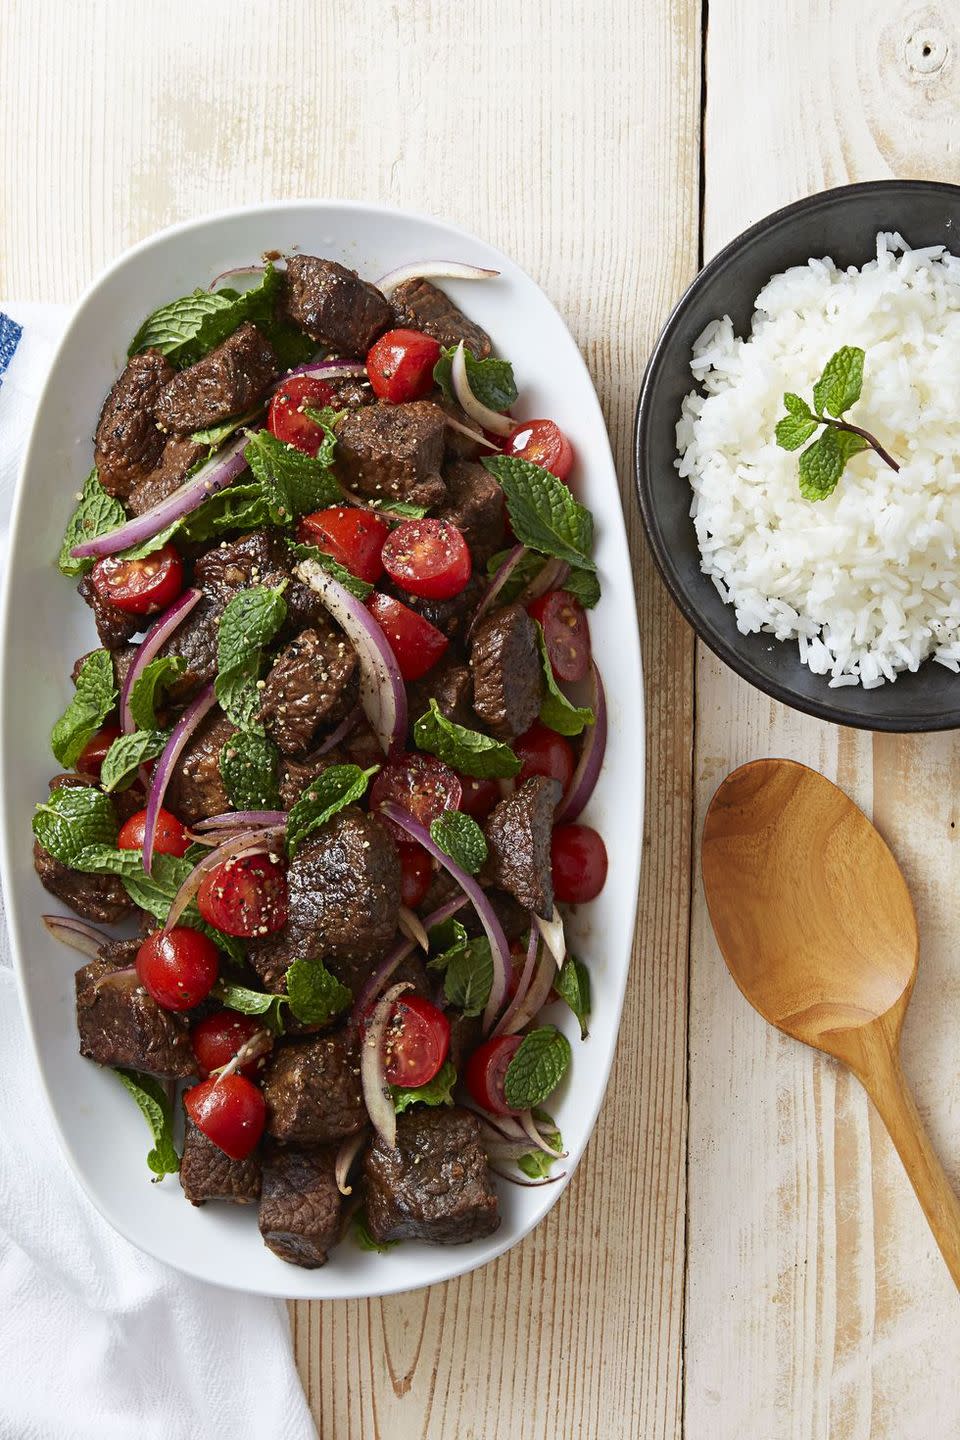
x=867, y=581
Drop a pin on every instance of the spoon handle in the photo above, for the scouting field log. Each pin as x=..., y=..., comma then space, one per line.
x=881, y=1074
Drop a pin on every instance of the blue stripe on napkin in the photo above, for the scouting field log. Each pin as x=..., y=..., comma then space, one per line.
x=10, y=333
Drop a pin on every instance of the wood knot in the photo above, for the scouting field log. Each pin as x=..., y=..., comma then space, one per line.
x=926, y=50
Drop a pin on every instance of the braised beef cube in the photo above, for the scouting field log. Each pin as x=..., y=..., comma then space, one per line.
x=348, y=394
x=122, y=660
x=411, y=971
x=195, y=641
x=418, y=305
x=114, y=627
x=514, y=918
x=344, y=889
x=313, y=685
x=196, y=789
x=518, y=837
x=450, y=684
x=300, y=1204
x=466, y=1033
x=227, y=382
x=435, y=1185
x=457, y=445
x=128, y=444
x=101, y=898
x=179, y=456
x=393, y=452
x=312, y=1089
x=334, y=306
x=295, y=775
x=120, y=1024
x=208, y=1173
x=451, y=617
x=239, y=564
x=475, y=506
x=443, y=887
x=507, y=674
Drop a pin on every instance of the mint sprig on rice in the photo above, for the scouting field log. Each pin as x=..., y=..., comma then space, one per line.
x=823, y=462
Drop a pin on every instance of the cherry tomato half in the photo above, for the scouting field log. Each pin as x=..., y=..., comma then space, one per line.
x=178, y=969
x=93, y=753
x=245, y=896
x=170, y=838
x=400, y=365
x=566, y=633
x=542, y=443
x=416, y=644
x=217, y=1039
x=140, y=587
x=429, y=558
x=230, y=1111
x=286, y=418
x=416, y=872
x=479, y=796
x=578, y=859
x=541, y=751
x=420, y=784
x=353, y=536
x=486, y=1070
x=416, y=1041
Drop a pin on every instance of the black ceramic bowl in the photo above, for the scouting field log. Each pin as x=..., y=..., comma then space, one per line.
x=842, y=224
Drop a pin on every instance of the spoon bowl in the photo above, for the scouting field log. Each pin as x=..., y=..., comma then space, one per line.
x=815, y=922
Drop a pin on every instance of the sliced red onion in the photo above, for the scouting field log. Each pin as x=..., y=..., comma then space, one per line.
x=212, y=477
x=327, y=370
x=373, y=1077
x=235, y=272
x=499, y=946
x=523, y=984
x=432, y=270
x=474, y=435
x=537, y=995
x=158, y=634
x=505, y=1125
x=524, y=1180
x=260, y=1043
x=529, y=1127
x=346, y=726
x=348, y=1152
x=376, y=981
x=413, y=927
x=242, y=819
x=163, y=769
x=510, y=563
x=550, y=577
x=584, y=778
x=382, y=692
x=553, y=936
x=250, y=842
x=76, y=933
x=489, y=419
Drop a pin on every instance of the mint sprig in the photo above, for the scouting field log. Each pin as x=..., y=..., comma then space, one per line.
x=315, y=995
x=436, y=1091
x=127, y=753
x=252, y=1002
x=331, y=791
x=460, y=837
x=149, y=685
x=537, y=1068
x=556, y=711
x=157, y=1110
x=573, y=986
x=463, y=749
x=95, y=514
x=248, y=768
x=94, y=697
x=543, y=513
x=187, y=329
x=823, y=462
x=249, y=622
x=491, y=380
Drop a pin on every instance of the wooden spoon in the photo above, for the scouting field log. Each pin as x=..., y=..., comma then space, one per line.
x=816, y=925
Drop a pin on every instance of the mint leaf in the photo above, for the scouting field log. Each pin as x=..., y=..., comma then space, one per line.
x=291, y=346
x=573, y=986
x=794, y=430
x=446, y=938
x=249, y=622
x=157, y=1110
x=244, y=505
x=216, y=434
x=154, y=893
x=544, y=515
x=584, y=586
x=96, y=513
x=460, y=837
x=332, y=790
x=823, y=462
x=557, y=711
x=435, y=1092
x=841, y=382
x=491, y=380
x=538, y=1163
x=346, y=578
x=127, y=753
x=361, y=1234
x=74, y=821
x=248, y=766
x=468, y=976
x=94, y=698
x=252, y=1002
x=302, y=483
x=187, y=329
x=537, y=1068
x=466, y=750
x=153, y=679
x=402, y=509
x=315, y=995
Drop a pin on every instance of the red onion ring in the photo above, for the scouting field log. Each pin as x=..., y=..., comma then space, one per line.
x=413, y=927
x=537, y=995
x=376, y=981
x=550, y=577
x=471, y=434
x=163, y=769
x=260, y=1043
x=432, y=270
x=511, y=561
x=77, y=934
x=326, y=370
x=236, y=270
x=529, y=1127
x=250, y=842
x=506, y=1125
x=553, y=935
x=523, y=984
x=499, y=946
x=342, y=731
x=155, y=637
x=242, y=819
x=488, y=419
x=207, y=481
x=524, y=1181
x=584, y=778
x=382, y=692
x=348, y=1152
x=373, y=1076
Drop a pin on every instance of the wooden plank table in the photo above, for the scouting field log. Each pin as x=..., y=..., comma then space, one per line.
x=739, y=1255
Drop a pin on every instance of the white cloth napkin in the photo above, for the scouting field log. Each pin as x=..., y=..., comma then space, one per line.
x=97, y=1341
